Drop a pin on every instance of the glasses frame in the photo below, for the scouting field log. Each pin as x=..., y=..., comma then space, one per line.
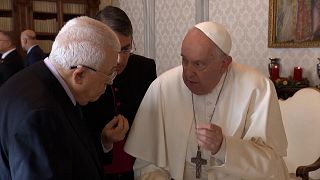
x=110, y=77
x=129, y=51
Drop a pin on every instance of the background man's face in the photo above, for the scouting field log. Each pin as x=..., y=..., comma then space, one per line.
x=4, y=43
x=126, y=45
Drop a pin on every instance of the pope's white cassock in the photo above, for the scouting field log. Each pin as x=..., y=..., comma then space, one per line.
x=163, y=139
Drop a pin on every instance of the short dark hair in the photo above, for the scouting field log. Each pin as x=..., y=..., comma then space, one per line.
x=116, y=19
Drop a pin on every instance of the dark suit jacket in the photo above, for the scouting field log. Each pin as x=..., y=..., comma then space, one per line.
x=11, y=64
x=129, y=88
x=35, y=54
x=42, y=135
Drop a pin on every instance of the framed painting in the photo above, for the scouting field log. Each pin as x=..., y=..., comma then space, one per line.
x=294, y=23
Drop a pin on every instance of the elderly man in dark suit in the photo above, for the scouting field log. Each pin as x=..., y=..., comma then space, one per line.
x=42, y=131
x=135, y=73
x=11, y=61
x=29, y=44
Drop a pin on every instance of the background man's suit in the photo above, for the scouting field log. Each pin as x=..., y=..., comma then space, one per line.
x=42, y=134
x=11, y=64
x=35, y=54
x=124, y=97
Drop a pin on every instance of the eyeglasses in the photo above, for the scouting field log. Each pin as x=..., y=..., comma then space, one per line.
x=128, y=51
x=109, y=77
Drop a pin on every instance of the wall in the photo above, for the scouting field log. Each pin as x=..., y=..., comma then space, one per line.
x=246, y=20
x=134, y=9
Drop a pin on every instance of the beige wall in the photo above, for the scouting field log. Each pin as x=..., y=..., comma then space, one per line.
x=104, y=3
x=247, y=21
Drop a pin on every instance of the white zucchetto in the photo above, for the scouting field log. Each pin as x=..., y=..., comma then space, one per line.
x=217, y=33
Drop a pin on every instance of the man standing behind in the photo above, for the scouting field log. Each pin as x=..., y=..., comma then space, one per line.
x=42, y=132
x=135, y=73
x=29, y=44
x=209, y=118
x=11, y=61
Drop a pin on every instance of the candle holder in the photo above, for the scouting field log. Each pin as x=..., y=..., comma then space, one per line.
x=274, y=68
x=297, y=73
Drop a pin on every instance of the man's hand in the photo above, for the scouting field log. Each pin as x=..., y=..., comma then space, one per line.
x=209, y=136
x=114, y=131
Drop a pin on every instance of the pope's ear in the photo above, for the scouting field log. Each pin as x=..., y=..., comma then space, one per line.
x=226, y=62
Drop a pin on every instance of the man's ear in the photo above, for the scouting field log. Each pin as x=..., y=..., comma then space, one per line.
x=78, y=75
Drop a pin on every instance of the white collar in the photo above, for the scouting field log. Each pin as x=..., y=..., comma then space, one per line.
x=6, y=53
x=31, y=48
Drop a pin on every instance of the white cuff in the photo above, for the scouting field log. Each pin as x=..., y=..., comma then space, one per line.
x=106, y=149
x=219, y=157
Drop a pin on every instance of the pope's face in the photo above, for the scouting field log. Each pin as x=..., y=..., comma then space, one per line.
x=202, y=66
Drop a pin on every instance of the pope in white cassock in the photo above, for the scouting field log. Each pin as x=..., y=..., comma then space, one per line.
x=209, y=118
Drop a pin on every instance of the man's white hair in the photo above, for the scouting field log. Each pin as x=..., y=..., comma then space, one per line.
x=83, y=41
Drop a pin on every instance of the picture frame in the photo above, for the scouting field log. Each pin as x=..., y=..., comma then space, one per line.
x=294, y=24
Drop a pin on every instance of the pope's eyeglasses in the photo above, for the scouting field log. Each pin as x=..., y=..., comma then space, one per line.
x=109, y=77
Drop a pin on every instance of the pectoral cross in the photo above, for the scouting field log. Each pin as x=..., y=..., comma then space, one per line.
x=199, y=162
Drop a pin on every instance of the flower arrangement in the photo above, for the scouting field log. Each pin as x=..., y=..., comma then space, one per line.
x=288, y=82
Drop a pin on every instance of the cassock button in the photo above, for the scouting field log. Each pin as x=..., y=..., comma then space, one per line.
x=116, y=89
x=118, y=104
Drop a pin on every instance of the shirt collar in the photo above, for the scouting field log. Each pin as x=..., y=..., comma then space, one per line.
x=31, y=48
x=62, y=82
x=6, y=53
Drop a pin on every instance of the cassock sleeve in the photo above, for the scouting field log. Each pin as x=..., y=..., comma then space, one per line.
x=258, y=154
x=152, y=138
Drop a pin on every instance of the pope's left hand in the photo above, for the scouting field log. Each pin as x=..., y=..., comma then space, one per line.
x=209, y=137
